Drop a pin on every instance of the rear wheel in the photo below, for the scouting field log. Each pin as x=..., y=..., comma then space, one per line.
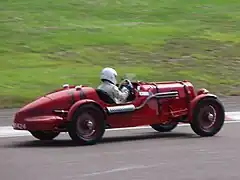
x=44, y=135
x=208, y=117
x=87, y=126
x=165, y=127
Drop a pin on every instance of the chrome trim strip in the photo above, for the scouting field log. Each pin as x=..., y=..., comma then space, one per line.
x=60, y=111
x=163, y=95
x=121, y=109
x=131, y=107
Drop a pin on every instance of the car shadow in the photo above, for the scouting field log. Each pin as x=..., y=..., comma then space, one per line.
x=105, y=140
x=147, y=136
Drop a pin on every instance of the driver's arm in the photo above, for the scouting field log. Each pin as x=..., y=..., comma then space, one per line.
x=120, y=95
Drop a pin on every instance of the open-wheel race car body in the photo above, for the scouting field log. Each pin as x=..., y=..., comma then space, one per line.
x=85, y=112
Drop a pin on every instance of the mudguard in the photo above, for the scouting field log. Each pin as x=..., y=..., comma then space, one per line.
x=196, y=100
x=80, y=103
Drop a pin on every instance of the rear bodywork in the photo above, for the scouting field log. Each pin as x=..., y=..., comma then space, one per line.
x=154, y=103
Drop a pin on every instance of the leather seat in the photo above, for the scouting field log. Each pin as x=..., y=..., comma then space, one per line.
x=104, y=97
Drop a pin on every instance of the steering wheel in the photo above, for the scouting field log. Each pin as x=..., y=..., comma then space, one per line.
x=130, y=87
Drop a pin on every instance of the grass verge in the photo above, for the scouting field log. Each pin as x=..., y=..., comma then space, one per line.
x=48, y=43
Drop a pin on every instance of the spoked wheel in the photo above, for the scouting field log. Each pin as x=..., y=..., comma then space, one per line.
x=87, y=126
x=208, y=117
x=165, y=127
x=44, y=135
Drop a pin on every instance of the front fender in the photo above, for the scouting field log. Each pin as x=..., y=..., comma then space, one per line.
x=80, y=103
x=196, y=100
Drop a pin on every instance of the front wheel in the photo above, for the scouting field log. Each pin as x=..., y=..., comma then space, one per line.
x=208, y=117
x=44, y=135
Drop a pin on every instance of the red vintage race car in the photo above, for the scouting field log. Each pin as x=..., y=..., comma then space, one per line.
x=85, y=112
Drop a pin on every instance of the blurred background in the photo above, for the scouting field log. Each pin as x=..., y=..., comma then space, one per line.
x=44, y=44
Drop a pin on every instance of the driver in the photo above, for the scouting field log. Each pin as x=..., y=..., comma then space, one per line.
x=109, y=81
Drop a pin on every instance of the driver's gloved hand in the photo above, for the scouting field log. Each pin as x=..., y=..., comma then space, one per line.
x=128, y=86
x=125, y=83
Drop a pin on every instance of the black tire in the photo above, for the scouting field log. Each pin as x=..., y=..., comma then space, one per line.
x=164, y=127
x=87, y=115
x=44, y=135
x=208, y=110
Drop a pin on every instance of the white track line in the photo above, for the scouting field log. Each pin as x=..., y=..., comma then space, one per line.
x=149, y=127
x=8, y=131
x=233, y=115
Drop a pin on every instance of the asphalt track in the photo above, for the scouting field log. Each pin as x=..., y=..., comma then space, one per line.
x=137, y=154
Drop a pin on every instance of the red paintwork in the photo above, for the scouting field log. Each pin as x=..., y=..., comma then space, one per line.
x=196, y=100
x=40, y=115
x=78, y=104
x=42, y=122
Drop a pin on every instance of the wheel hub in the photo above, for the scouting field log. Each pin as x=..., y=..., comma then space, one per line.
x=86, y=127
x=208, y=117
x=89, y=124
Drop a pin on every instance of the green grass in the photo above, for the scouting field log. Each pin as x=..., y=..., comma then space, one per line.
x=44, y=44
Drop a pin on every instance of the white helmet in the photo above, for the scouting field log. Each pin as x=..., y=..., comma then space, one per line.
x=109, y=74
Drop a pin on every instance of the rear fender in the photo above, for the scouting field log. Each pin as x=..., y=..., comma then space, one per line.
x=197, y=99
x=75, y=106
